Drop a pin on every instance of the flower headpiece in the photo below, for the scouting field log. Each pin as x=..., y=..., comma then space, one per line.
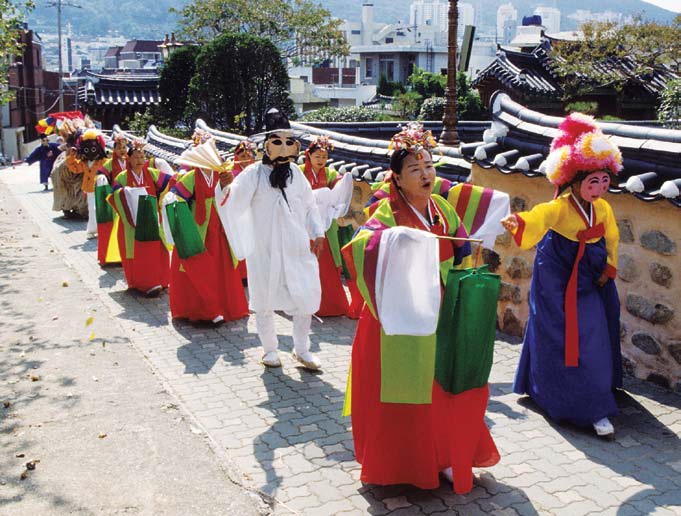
x=120, y=138
x=580, y=147
x=245, y=145
x=413, y=138
x=200, y=136
x=138, y=144
x=321, y=142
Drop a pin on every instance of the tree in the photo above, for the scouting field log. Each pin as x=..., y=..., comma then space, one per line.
x=646, y=47
x=299, y=28
x=468, y=103
x=11, y=16
x=237, y=78
x=670, y=104
x=408, y=104
x=173, y=86
x=428, y=84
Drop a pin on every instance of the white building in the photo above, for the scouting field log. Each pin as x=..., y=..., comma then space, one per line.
x=582, y=16
x=507, y=20
x=550, y=18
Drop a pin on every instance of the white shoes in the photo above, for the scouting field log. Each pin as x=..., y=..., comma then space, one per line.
x=604, y=428
x=271, y=359
x=154, y=291
x=308, y=360
x=90, y=235
x=217, y=320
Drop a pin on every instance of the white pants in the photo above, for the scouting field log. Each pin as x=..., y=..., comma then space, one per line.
x=91, y=213
x=267, y=333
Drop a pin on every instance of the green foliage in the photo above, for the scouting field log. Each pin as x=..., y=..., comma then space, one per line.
x=586, y=107
x=173, y=86
x=344, y=114
x=237, y=78
x=670, y=105
x=140, y=122
x=389, y=88
x=296, y=27
x=11, y=16
x=584, y=65
x=428, y=84
x=432, y=109
x=408, y=104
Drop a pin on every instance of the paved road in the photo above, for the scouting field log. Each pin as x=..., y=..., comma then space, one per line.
x=281, y=430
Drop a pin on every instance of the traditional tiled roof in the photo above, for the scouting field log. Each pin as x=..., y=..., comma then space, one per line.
x=534, y=73
x=142, y=45
x=519, y=140
x=119, y=90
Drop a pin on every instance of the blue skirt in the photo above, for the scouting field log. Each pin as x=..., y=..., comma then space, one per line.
x=583, y=394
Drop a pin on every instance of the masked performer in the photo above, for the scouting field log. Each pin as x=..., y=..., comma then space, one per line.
x=107, y=218
x=89, y=158
x=134, y=198
x=334, y=301
x=406, y=427
x=270, y=216
x=205, y=284
x=67, y=195
x=571, y=360
x=47, y=154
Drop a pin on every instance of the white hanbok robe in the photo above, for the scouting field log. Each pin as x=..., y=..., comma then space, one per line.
x=273, y=236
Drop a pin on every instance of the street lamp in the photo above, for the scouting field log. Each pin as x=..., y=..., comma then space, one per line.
x=449, y=135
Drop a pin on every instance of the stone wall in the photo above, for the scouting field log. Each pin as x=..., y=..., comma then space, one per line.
x=649, y=275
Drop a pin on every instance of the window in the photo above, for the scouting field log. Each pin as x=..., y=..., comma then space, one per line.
x=399, y=33
x=369, y=68
x=389, y=40
x=356, y=32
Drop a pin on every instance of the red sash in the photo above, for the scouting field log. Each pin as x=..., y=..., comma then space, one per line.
x=201, y=193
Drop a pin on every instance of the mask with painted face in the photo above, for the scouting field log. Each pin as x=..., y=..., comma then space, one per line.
x=594, y=186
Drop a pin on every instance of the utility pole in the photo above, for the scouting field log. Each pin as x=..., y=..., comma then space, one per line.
x=449, y=135
x=58, y=4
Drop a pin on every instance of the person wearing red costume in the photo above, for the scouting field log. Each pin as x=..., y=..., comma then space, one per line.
x=334, y=300
x=135, y=196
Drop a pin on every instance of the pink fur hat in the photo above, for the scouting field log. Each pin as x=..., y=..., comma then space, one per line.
x=580, y=147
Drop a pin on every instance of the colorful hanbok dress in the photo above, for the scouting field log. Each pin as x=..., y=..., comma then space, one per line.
x=205, y=282
x=334, y=300
x=406, y=427
x=571, y=359
x=107, y=219
x=145, y=259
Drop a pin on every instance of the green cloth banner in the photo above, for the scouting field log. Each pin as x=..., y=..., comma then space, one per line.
x=188, y=241
x=146, y=225
x=104, y=211
x=466, y=329
x=407, y=368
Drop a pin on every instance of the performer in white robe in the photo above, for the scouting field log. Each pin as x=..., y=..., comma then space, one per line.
x=271, y=219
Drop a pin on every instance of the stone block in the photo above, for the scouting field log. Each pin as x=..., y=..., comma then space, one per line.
x=646, y=343
x=518, y=204
x=492, y=259
x=512, y=325
x=518, y=267
x=504, y=239
x=656, y=313
x=627, y=269
x=674, y=349
x=661, y=274
x=658, y=379
x=510, y=292
x=658, y=242
x=626, y=231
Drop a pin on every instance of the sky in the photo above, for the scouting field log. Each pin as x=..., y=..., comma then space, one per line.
x=671, y=5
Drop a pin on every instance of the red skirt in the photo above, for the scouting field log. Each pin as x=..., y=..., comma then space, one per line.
x=356, y=300
x=334, y=301
x=104, y=235
x=410, y=444
x=149, y=266
x=208, y=285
